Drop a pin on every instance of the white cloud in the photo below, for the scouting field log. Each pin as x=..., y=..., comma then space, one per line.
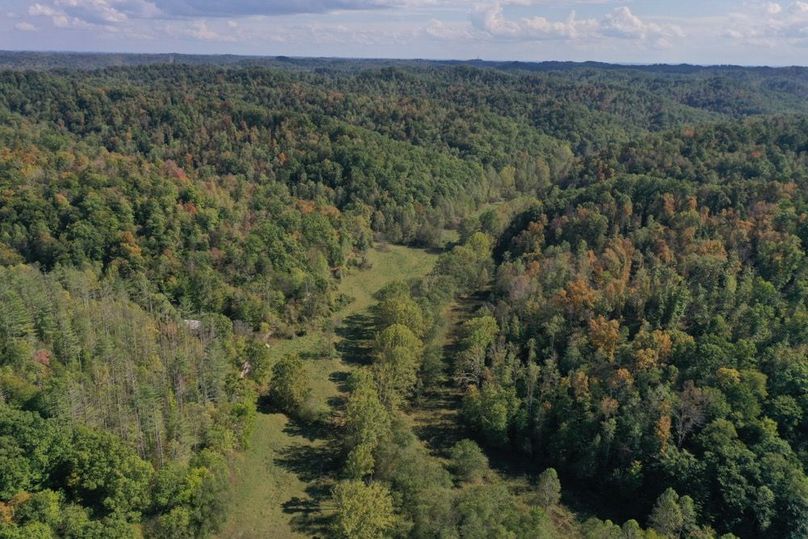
x=63, y=16
x=23, y=26
x=491, y=20
x=91, y=11
x=39, y=9
x=243, y=8
x=74, y=13
x=772, y=26
x=619, y=23
x=199, y=30
x=622, y=23
x=449, y=31
x=570, y=28
x=57, y=17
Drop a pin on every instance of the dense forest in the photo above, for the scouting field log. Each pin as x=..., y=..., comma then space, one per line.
x=629, y=243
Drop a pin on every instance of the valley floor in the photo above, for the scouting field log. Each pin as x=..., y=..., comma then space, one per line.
x=288, y=469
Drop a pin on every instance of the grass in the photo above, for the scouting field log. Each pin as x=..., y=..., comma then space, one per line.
x=388, y=263
x=262, y=483
x=279, y=480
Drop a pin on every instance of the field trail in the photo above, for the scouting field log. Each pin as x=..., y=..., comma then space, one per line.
x=289, y=467
x=434, y=416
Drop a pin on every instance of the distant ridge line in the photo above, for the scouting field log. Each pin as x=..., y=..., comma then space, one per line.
x=47, y=60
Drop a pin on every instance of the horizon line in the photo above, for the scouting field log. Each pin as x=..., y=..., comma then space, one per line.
x=398, y=59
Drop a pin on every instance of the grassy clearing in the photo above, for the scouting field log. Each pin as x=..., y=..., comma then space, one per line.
x=262, y=484
x=388, y=263
x=276, y=482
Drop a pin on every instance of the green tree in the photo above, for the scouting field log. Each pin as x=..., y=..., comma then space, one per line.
x=673, y=515
x=400, y=309
x=548, y=490
x=101, y=468
x=478, y=334
x=398, y=358
x=364, y=511
x=367, y=423
x=468, y=461
x=289, y=387
x=491, y=410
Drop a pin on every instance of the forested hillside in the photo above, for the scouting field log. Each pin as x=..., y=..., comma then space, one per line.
x=626, y=245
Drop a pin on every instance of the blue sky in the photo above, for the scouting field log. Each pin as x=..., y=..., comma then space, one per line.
x=747, y=32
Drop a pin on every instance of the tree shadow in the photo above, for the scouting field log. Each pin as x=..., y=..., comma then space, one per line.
x=311, y=462
x=317, y=429
x=464, y=309
x=356, y=333
x=439, y=250
x=308, y=517
x=437, y=421
x=338, y=402
x=265, y=406
x=318, y=465
x=340, y=379
x=306, y=508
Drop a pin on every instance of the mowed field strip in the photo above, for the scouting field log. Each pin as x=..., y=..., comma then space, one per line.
x=275, y=477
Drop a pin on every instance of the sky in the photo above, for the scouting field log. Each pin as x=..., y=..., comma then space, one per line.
x=744, y=32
